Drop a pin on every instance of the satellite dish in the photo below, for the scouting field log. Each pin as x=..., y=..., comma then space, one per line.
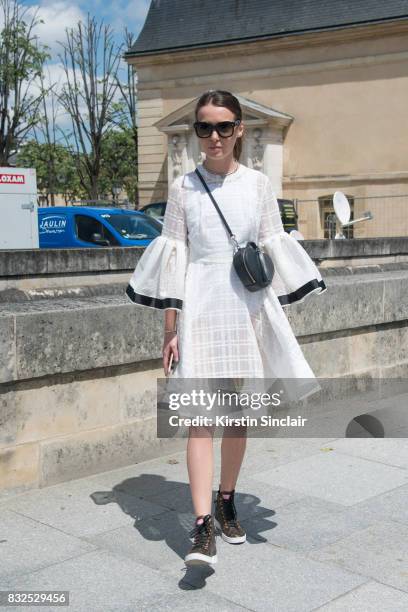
x=341, y=207
x=343, y=213
x=296, y=234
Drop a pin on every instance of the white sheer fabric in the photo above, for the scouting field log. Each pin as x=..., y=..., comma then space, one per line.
x=225, y=331
x=158, y=279
x=295, y=276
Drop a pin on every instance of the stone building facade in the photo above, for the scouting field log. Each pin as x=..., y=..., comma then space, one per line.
x=324, y=90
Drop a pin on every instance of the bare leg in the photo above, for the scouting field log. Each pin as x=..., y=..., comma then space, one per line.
x=233, y=448
x=200, y=465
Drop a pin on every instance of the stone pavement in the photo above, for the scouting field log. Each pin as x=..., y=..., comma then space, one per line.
x=327, y=525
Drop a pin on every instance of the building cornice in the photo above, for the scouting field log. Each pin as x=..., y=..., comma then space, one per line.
x=372, y=177
x=278, y=71
x=210, y=51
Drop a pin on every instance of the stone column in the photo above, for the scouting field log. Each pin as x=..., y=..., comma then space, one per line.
x=195, y=156
x=265, y=153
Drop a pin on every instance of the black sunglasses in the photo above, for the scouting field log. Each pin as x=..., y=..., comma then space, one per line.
x=224, y=129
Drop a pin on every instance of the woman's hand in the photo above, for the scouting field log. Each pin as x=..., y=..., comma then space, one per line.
x=170, y=346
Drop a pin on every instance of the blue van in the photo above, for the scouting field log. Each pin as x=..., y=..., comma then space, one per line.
x=88, y=226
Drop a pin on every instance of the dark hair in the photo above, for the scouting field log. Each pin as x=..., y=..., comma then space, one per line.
x=219, y=97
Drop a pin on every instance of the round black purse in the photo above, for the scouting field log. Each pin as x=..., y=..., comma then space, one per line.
x=253, y=266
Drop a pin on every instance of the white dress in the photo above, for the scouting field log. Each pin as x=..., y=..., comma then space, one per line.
x=224, y=330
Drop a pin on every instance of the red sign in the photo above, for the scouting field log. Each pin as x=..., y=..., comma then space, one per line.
x=12, y=179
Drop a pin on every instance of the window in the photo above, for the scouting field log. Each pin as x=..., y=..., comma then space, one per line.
x=155, y=210
x=86, y=226
x=134, y=227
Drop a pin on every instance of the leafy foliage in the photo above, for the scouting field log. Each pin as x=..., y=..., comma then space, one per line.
x=37, y=155
x=21, y=62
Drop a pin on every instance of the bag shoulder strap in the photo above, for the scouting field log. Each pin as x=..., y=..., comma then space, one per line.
x=214, y=202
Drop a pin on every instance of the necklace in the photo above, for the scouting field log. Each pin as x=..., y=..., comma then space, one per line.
x=219, y=174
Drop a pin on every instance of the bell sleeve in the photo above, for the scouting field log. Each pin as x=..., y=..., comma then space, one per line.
x=159, y=277
x=295, y=276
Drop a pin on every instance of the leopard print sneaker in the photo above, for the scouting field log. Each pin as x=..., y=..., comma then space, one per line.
x=225, y=519
x=203, y=551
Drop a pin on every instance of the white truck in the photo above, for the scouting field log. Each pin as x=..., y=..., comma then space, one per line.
x=18, y=208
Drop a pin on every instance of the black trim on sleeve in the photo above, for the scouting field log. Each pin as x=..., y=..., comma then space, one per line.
x=145, y=300
x=300, y=293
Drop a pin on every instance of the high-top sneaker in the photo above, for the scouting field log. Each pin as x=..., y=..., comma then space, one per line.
x=204, y=550
x=225, y=518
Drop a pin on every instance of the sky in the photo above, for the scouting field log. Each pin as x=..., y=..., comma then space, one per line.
x=61, y=14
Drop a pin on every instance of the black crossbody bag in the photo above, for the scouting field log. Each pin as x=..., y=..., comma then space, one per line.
x=253, y=266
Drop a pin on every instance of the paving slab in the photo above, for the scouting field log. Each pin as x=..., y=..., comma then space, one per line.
x=188, y=600
x=265, y=577
x=380, y=551
x=147, y=478
x=156, y=541
x=307, y=524
x=27, y=545
x=392, y=505
x=247, y=498
x=370, y=597
x=255, y=497
x=327, y=525
x=82, y=507
x=391, y=451
x=336, y=477
x=100, y=580
x=270, y=452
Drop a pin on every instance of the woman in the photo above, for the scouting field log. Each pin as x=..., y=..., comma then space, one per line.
x=223, y=330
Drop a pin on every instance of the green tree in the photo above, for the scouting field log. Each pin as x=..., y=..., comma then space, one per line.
x=90, y=61
x=118, y=162
x=125, y=111
x=21, y=62
x=65, y=182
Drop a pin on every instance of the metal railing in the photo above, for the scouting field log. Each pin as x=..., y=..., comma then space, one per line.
x=316, y=218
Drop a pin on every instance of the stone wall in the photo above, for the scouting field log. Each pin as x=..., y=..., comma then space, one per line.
x=44, y=273
x=78, y=374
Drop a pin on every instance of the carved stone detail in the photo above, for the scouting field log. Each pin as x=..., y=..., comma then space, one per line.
x=176, y=146
x=258, y=150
